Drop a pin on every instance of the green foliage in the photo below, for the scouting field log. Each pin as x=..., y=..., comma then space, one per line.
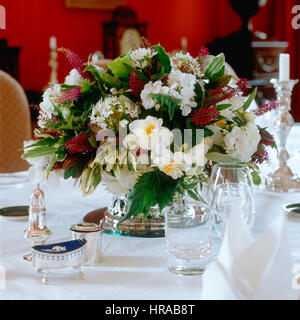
x=120, y=67
x=169, y=101
x=164, y=59
x=215, y=66
x=221, y=158
x=151, y=188
x=249, y=100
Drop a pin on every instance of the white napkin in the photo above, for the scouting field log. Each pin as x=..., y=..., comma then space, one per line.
x=259, y=269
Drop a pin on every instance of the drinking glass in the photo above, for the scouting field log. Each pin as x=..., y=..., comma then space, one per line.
x=231, y=187
x=188, y=237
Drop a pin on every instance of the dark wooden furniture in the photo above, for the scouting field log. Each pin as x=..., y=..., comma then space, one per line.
x=123, y=30
x=9, y=59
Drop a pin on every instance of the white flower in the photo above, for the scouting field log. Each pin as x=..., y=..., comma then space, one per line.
x=181, y=59
x=130, y=142
x=122, y=184
x=173, y=164
x=47, y=105
x=249, y=116
x=150, y=133
x=198, y=152
x=138, y=57
x=242, y=142
x=105, y=107
x=217, y=137
x=37, y=170
x=236, y=101
x=152, y=88
x=183, y=83
x=74, y=78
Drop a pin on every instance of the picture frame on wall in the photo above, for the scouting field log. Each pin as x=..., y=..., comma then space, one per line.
x=95, y=4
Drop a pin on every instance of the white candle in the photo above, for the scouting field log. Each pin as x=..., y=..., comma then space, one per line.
x=53, y=43
x=284, y=67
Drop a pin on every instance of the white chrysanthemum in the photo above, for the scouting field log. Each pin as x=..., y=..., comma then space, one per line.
x=150, y=133
x=47, y=105
x=107, y=106
x=121, y=184
x=74, y=78
x=185, y=59
x=173, y=164
x=184, y=84
x=138, y=57
x=242, y=142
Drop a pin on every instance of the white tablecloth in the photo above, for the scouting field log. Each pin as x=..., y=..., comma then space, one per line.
x=134, y=268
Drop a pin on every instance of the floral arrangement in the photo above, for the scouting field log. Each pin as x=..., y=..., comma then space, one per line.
x=123, y=125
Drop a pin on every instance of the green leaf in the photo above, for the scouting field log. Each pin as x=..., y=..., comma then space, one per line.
x=39, y=152
x=152, y=188
x=221, y=81
x=256, y=178
x=171, y=103
x=164, y=58
x=118, y=66
x=92, y=141
x=215, y=66
x=241, y=122
x=250, y=99
x=194, y=195
x=218, y=74
x=221, y=158
x=71, y=172
x=221, y=107
x=44, y=142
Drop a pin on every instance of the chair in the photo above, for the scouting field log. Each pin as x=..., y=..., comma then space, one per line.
x=15, y=124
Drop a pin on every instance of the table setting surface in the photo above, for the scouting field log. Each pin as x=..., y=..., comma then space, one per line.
x=133, y=268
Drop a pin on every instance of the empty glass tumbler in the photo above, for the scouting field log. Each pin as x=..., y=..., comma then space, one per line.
x=231, y=187
x=188, y=237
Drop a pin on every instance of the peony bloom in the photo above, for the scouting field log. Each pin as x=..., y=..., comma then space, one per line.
x=150, y=133
x=242, y=142
x=173, y=164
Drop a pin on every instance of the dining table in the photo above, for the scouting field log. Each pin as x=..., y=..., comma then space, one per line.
x=133, y=268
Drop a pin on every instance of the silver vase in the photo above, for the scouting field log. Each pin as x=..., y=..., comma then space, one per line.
x=154, y=226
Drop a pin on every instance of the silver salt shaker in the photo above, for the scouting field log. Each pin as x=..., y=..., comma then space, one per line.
x=37, y=231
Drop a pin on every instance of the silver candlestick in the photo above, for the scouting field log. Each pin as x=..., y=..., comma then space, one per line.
x=283, y=179
x=37, y=231
x=53, y=63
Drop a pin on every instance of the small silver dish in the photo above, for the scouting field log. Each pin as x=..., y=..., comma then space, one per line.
x=292, y=209
x=58, y=256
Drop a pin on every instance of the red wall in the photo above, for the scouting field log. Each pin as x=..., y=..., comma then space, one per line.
x=30, y=23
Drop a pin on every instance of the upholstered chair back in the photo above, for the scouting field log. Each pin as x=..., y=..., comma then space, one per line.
x=15, y=124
